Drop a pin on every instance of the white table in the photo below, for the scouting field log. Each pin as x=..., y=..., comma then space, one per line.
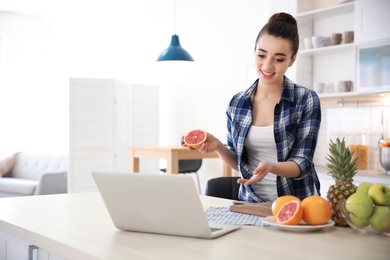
x=77, y=226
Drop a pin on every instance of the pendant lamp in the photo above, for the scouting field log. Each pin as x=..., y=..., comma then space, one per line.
x=174, y=50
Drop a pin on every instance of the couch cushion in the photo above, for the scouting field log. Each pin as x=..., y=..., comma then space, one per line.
x=17, y=186
x=7, y=161
x=33, y=165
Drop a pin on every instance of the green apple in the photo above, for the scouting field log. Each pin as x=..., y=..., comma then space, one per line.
x=380, y=219
x=360, y=222
x=363, y=187
x=360, y=205
x=380, y=194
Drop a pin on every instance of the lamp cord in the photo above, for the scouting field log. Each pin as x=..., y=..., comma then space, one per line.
x=174, y=16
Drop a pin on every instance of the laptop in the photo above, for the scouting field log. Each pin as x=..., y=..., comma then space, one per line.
x=153, y=203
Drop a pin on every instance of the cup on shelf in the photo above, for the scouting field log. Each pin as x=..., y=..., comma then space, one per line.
x=308, y=43
x=345, y=86
x=328, y=41
x=330, y=88
x=336, y=38
x=349, y=36
x=319, y=87
x=319, y=41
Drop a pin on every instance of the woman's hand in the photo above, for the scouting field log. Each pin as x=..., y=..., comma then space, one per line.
x=213, y=144
x=259, y=173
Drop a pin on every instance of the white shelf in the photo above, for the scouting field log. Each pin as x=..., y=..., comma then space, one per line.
x=337, y=94
x=326, y=12
x=328, y=49
x=328, y=64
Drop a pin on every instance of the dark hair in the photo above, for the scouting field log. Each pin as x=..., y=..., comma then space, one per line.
x=282, y=25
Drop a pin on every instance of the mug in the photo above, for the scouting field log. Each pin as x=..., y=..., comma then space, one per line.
x=308, y=43
x=345, y=86
x=349, y=36
x=318, y=87
x=336, y=38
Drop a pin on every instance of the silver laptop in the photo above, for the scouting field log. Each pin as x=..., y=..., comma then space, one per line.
x=153, y=203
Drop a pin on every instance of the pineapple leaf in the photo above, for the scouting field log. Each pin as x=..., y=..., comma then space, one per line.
x=340, y=164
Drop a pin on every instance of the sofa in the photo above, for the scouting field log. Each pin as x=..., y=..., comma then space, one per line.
x=26, y=173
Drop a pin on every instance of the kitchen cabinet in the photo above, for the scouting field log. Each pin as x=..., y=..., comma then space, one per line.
x=12, y=248
x=365, y=61
x=329, y=64
x=372, y=20
x=373, y=71
x=106, y=117
x=372, y=176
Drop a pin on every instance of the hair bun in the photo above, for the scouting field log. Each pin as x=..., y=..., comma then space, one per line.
x=282, y=25
x=283, y=17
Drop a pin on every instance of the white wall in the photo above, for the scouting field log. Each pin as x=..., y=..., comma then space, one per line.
x=121, y=39
x=33, y=101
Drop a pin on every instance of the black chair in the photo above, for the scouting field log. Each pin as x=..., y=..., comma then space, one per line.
x=223, y=187
x=189, y=166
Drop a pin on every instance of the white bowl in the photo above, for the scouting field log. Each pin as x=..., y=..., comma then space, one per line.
x=320, y=41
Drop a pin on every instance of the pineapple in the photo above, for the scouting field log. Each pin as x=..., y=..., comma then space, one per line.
x=342, y=168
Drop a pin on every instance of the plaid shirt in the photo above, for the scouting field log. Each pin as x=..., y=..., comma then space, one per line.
x=297, y=119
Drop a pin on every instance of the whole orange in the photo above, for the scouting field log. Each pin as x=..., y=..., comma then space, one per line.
x=279, y=202
x=316, y=210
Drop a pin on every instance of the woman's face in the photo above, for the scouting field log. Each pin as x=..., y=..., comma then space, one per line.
x=273, y=58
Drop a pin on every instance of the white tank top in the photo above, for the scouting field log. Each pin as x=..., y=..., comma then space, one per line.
x=260, y=146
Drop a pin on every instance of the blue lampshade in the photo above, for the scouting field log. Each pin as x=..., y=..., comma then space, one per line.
x=175, y=52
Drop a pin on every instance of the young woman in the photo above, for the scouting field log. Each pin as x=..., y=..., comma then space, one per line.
x=273, y=125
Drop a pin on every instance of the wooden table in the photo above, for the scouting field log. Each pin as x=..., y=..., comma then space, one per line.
x=172, y=154
x=78, y=226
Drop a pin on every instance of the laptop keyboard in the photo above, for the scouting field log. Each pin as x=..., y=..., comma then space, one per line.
x=214, y=229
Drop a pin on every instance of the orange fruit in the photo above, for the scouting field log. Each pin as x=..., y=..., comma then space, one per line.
x=290, y=213
x=195, y=138
x=316, y=210
x=279, y=202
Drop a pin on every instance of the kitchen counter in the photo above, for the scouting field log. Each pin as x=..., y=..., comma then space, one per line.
x=361, y=176
x=373, y=176
x=78, y=226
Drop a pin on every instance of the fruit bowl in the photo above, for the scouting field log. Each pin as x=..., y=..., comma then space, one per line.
x=373, y=224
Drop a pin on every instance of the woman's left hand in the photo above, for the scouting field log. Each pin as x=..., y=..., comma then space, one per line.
x=259, y=173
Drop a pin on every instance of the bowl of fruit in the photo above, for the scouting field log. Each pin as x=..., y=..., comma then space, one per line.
x=368, y=210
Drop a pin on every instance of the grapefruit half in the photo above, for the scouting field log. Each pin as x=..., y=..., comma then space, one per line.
x=290, y=213
x=195, y=138
x=280, y=201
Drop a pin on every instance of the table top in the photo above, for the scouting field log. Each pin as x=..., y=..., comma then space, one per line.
x=164, y=151
x=78, y=226
x=156, y=147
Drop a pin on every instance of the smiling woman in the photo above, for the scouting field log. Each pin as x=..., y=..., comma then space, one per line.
x=273, y=125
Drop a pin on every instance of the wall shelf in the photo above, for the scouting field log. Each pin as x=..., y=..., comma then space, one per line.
x=328, y=49
x=327, y=11
x=329, y=64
